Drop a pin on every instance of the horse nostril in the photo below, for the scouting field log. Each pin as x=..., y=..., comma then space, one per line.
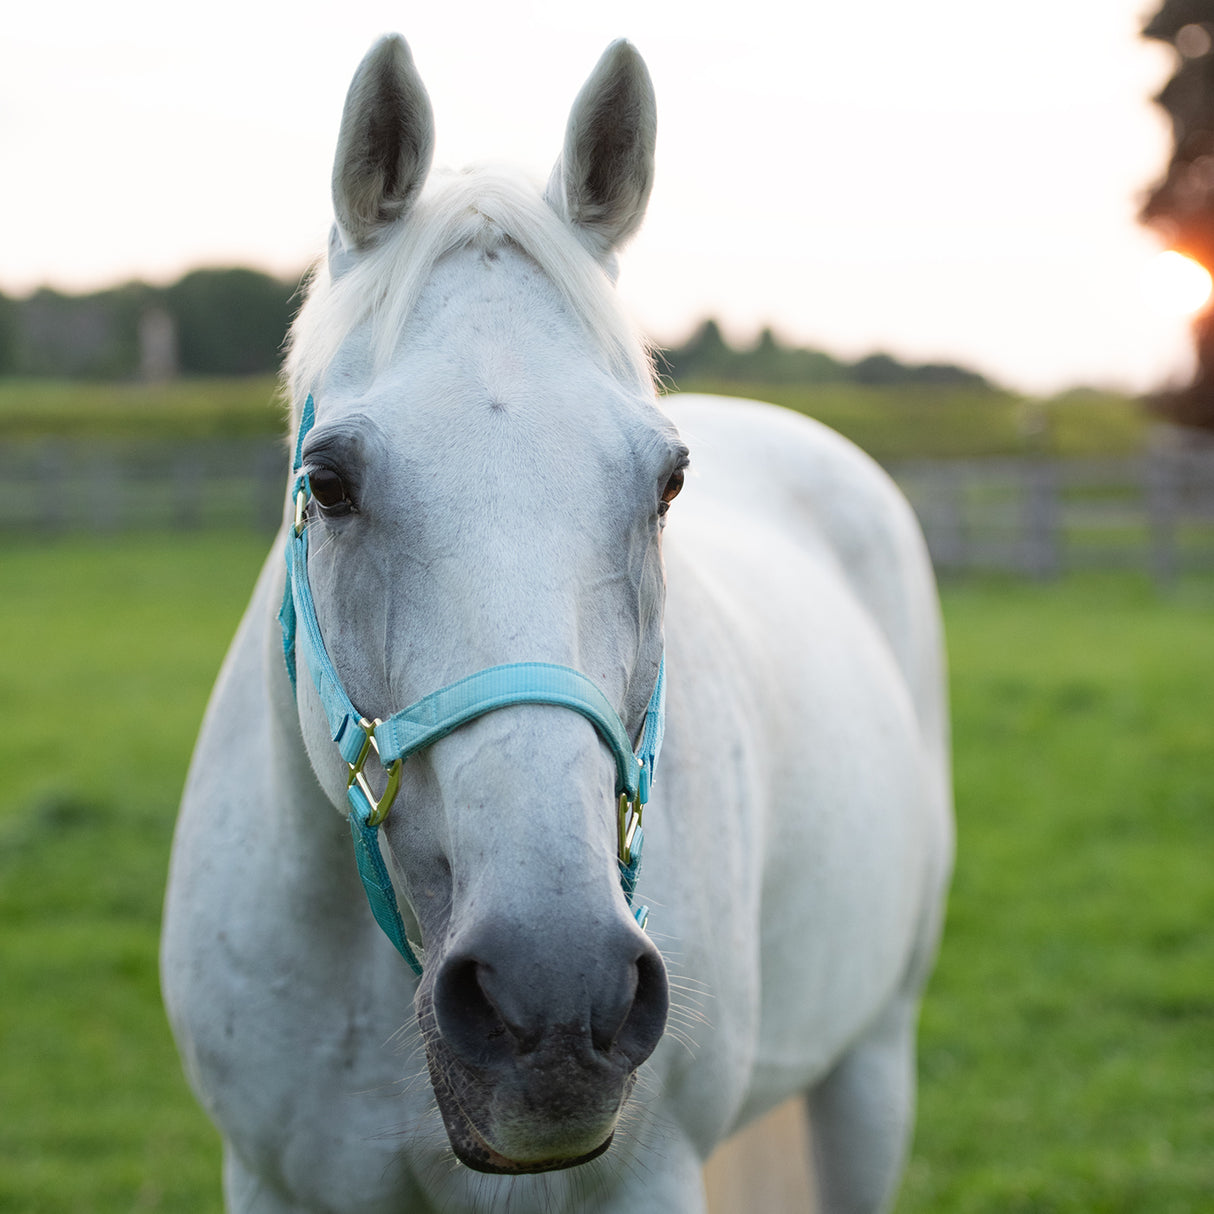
x=644, y=1017
x=466, y=1016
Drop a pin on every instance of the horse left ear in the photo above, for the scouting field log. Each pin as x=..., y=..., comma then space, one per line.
x=601, y=184
x=385, y=145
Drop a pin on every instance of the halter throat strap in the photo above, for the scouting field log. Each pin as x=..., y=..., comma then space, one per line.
x=442, y=712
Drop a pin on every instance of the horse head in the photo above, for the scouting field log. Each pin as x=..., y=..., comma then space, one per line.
x=488, y=477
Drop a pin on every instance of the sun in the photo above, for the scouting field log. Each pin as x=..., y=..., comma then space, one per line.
x=1177, y=285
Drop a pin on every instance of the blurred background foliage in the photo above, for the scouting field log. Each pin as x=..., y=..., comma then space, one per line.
x=1180, y=206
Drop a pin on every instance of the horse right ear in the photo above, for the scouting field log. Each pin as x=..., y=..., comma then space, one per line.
x=600, y=185
x=385, y=145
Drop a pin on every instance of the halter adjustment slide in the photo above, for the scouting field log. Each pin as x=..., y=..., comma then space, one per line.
x=378, y=807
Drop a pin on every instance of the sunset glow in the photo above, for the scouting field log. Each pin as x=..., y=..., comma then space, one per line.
x=1177, y=285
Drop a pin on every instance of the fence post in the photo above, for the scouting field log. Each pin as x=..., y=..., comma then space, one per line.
x=948, y=538
x=1041, y=547
x=270, y=477
x=1161, y=476
x=105, y=479
x=51, y=485
x=187, y=488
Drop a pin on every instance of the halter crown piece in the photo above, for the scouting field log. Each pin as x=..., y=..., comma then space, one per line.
x=440, y=713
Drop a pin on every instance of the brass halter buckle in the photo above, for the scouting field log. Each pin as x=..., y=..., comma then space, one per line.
x=301, y=511
x=628, y=822
x=381, y=804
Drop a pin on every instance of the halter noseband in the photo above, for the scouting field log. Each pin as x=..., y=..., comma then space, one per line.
x=442, y=712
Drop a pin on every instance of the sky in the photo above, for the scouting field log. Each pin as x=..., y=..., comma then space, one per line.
x=942, y=180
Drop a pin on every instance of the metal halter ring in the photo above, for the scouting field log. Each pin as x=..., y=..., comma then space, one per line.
x=382, y=804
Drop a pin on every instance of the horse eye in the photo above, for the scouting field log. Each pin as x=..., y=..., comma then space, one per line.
x=673, y=486
x=329, y=490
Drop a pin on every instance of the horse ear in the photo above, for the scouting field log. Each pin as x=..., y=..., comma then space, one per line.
x=601, y=183
x=385, y=145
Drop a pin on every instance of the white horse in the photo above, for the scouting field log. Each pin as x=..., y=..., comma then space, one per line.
x=482, y=485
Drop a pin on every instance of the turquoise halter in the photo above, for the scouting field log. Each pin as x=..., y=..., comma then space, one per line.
x=440, y=713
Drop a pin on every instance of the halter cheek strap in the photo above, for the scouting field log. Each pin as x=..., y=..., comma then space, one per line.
x=442, y=712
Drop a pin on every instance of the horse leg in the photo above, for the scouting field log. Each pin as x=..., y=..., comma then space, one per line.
x=861, y=1116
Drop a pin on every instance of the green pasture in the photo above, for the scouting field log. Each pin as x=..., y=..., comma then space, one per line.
x=184, y=408
x=1068, y=1039
x=889, y=422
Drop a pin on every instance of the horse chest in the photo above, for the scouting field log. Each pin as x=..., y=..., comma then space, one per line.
x=303, y=1046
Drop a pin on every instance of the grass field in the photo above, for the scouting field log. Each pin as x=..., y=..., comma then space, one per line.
x=1068, y=1039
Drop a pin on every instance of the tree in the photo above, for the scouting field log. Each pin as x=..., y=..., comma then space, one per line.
x=9, y=322
x=708, y=358
x=1181, y=206
x=229, y=321
x=704, y=354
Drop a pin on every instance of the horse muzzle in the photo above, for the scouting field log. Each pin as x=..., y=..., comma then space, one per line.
x=533, y=1053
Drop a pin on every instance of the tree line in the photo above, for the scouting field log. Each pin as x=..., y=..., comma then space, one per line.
x=226, y=322
x=708, y=356
x=211, y=322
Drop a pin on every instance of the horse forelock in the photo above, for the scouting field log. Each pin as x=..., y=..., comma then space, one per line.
x=478, y=208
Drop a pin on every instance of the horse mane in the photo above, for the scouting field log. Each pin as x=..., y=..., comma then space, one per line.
x=482, y=208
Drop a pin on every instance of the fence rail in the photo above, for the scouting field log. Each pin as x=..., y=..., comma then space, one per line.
x=1034, y=516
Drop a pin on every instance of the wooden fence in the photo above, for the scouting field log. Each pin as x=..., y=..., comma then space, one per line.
x=111, y=485
x=1032, y=516
x=1043, y=517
